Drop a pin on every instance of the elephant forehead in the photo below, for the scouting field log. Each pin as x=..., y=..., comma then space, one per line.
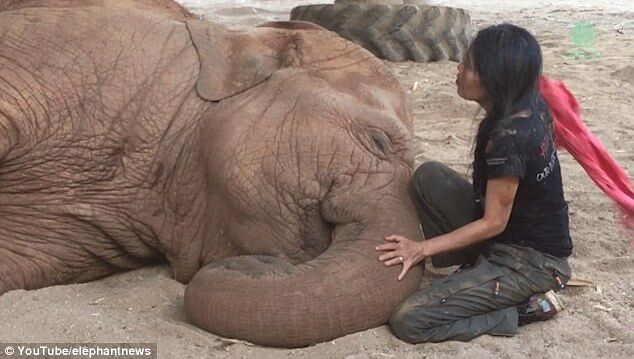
x=349, y=69
x=310, y=99
x=296, y=126
x=343, y=64
x=317, y=49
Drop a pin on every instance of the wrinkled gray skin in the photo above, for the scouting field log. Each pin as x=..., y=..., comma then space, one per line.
x=264, y=164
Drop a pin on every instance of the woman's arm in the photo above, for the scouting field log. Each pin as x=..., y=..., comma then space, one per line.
x=499, y=203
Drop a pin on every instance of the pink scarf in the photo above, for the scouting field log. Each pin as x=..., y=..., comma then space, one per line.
x=573, y=135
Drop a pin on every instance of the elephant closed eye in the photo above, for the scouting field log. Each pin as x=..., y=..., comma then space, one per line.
x=376, y=142
x=382, y=141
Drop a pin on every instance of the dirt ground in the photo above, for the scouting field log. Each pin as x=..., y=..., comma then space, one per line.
x=146, y=305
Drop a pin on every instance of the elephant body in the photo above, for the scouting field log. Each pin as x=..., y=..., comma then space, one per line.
x=263, y=164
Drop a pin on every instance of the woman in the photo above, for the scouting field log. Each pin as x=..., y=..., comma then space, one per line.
x=509, y=230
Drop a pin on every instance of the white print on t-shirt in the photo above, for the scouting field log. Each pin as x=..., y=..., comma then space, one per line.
x=496, y=161
x=548, y=169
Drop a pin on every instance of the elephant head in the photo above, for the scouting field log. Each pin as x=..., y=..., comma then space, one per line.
x=308, y=152
x=264, y=164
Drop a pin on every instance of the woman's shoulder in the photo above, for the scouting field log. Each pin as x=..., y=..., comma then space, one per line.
x=539, y=118
x=524, y=130
x=512, y=124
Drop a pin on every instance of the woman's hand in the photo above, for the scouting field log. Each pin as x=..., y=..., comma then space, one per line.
x=401, y=250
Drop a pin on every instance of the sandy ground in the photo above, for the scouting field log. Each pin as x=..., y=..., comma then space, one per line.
x=146, y=305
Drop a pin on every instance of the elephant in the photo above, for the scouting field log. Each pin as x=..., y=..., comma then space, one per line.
x=264, y=164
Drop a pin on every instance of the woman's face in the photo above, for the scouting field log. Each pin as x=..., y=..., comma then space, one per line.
x=468, y=82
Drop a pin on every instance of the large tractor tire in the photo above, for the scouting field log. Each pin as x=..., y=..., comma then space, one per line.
x=395, y=32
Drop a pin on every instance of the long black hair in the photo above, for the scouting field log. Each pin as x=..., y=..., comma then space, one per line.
x=508, y=60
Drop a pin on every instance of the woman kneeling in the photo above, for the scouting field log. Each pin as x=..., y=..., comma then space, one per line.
x=509, y=229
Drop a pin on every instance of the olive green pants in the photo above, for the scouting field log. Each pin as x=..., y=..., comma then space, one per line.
x=481, y=297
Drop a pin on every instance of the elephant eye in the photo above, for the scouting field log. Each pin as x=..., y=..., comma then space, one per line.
x=381, y=142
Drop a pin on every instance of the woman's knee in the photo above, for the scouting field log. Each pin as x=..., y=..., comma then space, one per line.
x=428, y=171
x=427, y=175
x=408, y=324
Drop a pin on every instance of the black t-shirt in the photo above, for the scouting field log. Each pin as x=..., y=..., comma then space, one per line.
x=524, y=147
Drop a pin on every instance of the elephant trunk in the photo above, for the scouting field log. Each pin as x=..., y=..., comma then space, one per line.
x=268, y=301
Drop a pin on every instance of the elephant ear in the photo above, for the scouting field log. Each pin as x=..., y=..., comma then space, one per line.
x=230, y=61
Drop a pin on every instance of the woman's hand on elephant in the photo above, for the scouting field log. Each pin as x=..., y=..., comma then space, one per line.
x=401, y=250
